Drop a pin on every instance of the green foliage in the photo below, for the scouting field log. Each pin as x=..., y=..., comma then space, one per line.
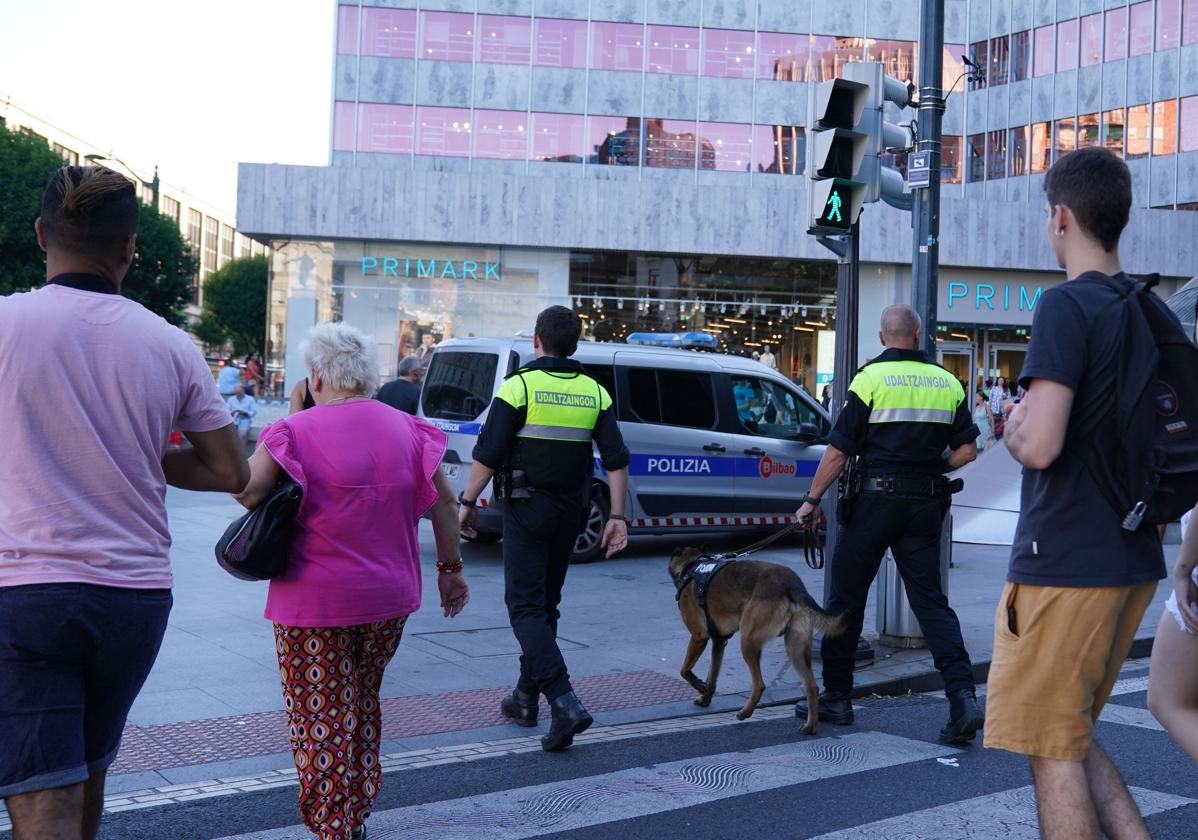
x=26, y=164
x=235, y=302
x=162, y=277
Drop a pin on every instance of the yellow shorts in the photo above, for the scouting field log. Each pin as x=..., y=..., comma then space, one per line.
x=1057, y=654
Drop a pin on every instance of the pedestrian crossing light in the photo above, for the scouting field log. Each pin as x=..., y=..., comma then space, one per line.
x=837, y=149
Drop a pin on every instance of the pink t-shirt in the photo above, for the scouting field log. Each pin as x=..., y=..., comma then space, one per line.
x=91, y=386
x=367, y=474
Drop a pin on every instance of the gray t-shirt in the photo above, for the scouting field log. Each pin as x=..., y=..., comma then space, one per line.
x=1068, y=533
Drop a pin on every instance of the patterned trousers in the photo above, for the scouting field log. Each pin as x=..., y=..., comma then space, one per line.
x=331, y=678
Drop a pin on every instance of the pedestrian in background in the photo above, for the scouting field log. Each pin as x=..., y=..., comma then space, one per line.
x=983, y=420
x=1079, y=583
x=1173, y=673
x=424, y=353
x=85, y=575
x=403, y=393
x=999, y=395
x=243, y=407
x=253, y=375
x=301, y=397
x=368, y=475
x=228, y=378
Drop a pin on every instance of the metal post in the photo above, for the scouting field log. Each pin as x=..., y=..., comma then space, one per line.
x=154, y=188
x=926, y=212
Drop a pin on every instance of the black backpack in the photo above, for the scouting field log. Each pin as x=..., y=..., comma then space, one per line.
x=1152, y=472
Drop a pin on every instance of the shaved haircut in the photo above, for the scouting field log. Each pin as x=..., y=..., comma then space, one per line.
x=900, y=323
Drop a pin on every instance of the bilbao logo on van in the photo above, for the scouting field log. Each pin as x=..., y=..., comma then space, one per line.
x=768, y=467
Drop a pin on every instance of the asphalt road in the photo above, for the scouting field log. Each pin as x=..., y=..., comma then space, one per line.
x=884, y=777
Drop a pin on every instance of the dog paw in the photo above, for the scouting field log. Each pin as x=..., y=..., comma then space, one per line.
x=809, y=729
x=703, y=701
x=743, y=715
x=699, y=686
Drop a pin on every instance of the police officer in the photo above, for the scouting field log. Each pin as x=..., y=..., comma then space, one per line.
x=902, y=415
x=538, y=438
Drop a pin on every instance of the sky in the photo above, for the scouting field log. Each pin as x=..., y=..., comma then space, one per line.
x=194, y=86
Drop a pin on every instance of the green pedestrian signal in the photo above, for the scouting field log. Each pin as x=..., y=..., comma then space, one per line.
x=834, y=202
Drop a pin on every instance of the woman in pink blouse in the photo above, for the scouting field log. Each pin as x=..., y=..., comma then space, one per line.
x=369, y=473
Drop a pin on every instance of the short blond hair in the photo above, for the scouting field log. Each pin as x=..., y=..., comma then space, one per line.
x=343, y=356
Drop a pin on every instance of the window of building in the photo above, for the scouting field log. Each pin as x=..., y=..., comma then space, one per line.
x=1000, y=60
x=952, y=78
x=501, y=135
x=169, y=207
x=245, y=246
x=385, y=128
x=1189, y=22
x=388, y=32
x=726, y=146
x=226, y=244
x=670, y=144
x=1112, y=130
x=561, y=43
x=1041, y=151
x=1087, y=130
x=950, y=159
x=1042, y=55
x=211, y=244
x=897, y=57
x=1067, y=45
x=447, y=36
x=1168, y=24
x=1164, y=127
x=1189, y=124
x=1139, y=118
x=1017, y=149
x=830, y=53
x=617, y=46
x=673, y=49
x=614, y=141
x=443, y=132
x=70, y=156
x=975, y=150
x=1115, y=37
x=1021, y=56
x=996, y=155
x=504, y=40
x=784, y=56
x=780, y=149
x=1064, y=137
x=347, y=30
x=1140, y=29
x=979, y=52
x=559, y=137
x=195, y=228
x=344, y=115
x=728, y=53
x=1091, y=40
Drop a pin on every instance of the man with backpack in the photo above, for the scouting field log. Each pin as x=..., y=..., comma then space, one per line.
x=1084, y=563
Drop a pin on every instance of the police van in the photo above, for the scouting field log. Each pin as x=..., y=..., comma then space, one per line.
x=718, y=442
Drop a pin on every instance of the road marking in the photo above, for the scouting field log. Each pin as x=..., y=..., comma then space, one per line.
x=1010, y=814
x=1128, y=716
x=639, y=791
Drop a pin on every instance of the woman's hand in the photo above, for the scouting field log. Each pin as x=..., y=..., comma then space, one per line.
x=455, y=594
x=1187, y=596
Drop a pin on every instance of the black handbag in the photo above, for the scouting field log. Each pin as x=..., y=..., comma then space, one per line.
x=256, y=545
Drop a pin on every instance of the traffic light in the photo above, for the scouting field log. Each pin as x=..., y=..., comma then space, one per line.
x=884, y=136
x=837, y=151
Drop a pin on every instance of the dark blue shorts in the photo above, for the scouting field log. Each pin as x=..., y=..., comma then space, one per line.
x=73, y=657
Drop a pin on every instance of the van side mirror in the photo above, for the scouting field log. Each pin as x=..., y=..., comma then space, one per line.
x=808, y=433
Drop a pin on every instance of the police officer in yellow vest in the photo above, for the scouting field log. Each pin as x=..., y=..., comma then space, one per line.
x=902, y=415
x=538, y=438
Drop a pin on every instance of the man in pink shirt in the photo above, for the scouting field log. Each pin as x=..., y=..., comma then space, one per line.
x=93, y=385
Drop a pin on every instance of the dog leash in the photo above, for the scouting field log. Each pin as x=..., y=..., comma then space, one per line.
x=813, y=552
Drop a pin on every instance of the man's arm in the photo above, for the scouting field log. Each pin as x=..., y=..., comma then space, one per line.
x=615, y=457
x=1035, y=431
x=962, y=455
x=215, y=461
x=264, y=475
x=830, y=466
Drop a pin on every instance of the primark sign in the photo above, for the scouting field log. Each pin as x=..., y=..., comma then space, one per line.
x=432, y=269
x=1000, y=299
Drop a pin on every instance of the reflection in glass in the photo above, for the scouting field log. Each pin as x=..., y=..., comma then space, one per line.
x=950, y=159
x=1017, y=149
x=1116, y=35
x=978, y=54
x=975, y=147
x=385, y=128
x=673, y=49
x=1140, y=29
x=347, y=30
x=996, y=155
x=728, y=53
x=614, y=141
x=1042, y=55
x=897, y=57
x=1067, y=45
x=617, y=46
x=1000, y=49
x=443, y=131
x=1168, y=24
x=953, y=74
x=1021, y=56
x=1091, y=42
x=829, y=54
x=783, y=56
x=1112, y=131
x=726, y=146
x=390, y=33
x=1041, y=147
x=448, y=36
x=504, y=40
x=343, y=126
x=780, y=149
x=1164, y=127
x=501, y=135
x=1189, y=22
x=1087, y=130
x=1189, y=123
x=1138, y=121
x=561, y=43
x=1064, y=137
x=559, y=137
x=670, y=144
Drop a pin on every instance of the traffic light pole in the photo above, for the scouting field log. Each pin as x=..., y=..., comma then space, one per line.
x=926, y=211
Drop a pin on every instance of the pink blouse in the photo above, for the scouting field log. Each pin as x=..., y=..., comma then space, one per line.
x=367, y=474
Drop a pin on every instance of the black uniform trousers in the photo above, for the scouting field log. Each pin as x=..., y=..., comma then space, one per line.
x=910, y=527
x=538, y=538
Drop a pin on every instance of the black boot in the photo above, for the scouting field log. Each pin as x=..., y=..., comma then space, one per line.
x=520, y=707
x=964, y=717
x=834, y=707
x=570, y=718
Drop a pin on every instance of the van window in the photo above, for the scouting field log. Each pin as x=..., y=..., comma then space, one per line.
x=459, y=386
x=605, y=375
x=770, y=410
x=672, y=397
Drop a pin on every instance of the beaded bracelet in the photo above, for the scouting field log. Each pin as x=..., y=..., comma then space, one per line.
x=449, y=568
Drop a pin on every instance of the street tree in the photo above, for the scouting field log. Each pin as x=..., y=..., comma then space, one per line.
x=235, y=302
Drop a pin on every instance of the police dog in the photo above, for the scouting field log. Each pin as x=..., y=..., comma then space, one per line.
x=762, y=600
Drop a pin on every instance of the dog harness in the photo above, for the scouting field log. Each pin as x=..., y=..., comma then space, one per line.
x=702, y=574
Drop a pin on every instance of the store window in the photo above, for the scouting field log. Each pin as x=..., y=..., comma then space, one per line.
x=561, y=43
x=1067, y=45
x=953, y=74
x=1000, y=60
x=443, y=131
x=504, y=40
x=1087, y=130
x=347, y=30
x=672, y=398
x=728, y=53
x=896, y=57
x=389, y=33
x=1140, y=29
x=1115, y=38
x=830, y=53
x=617, y=46
x=726, y=146
x=1112, y=130
x=501, y=135
x=344, y=116
x=1189, y=22
x=1021, y=56
x=614, y=141
x=385, y=128
x=996, y=155
x=1164, y=127
x=1043, y=53
x=1041, y=153
x=979, y=52
x=1064, y=137
x=1139, y=118
x=976, y=153
x=448, y=36
x=1168, y=24
x=1091, y=42
x=559, y=137
x=670, y=144
x=1017, y=149
x=784, y=56
x=1189, y=124
x=950, y=159
x=780, y=149
x=673, y=49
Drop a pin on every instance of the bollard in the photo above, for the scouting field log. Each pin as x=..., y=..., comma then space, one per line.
x=897, y=625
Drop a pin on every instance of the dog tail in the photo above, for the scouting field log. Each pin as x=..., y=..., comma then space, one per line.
x=830, y=624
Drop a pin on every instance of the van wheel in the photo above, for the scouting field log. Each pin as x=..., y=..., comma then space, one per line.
x=588, y=547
